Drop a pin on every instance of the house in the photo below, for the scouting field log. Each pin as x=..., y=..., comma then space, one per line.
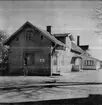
x=82, y=60
x=31, y=46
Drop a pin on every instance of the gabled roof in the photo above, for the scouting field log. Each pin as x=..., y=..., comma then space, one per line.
x=93, y=58
x=61, y=35
x=89, y=57
x=83, y=57
x=76, y=49
x=45, y=33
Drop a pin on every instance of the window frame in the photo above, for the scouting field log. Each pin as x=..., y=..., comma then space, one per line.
x=29, y=36
x=89, y=63
x=85, y=63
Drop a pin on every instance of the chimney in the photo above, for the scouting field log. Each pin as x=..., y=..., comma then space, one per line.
x=48, y=29
x=78, y=40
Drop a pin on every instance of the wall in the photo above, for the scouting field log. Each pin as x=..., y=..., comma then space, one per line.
x=98, y=65
x=65, y=58
x=15, y=56
x=64, y=61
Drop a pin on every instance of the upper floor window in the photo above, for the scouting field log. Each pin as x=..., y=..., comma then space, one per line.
x=41, y=37
x=29, y=34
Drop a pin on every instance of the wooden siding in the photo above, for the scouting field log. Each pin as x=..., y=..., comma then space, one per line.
x=41, y=48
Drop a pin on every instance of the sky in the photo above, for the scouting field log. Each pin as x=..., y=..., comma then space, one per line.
x=73, y=17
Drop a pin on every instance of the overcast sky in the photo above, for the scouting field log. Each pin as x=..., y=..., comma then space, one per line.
x=64, y=16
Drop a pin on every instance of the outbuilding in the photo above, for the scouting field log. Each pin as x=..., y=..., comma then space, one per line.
x=84, y=62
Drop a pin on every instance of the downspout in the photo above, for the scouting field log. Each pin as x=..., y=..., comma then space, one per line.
x=53, y=49
x=52, y=56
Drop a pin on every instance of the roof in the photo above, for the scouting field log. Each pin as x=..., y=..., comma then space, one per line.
x=85, y=56
x=84, y=47
x=45, y=33
x=61, y=35
x=76, y=48
x=94, y=58
x=74, y=51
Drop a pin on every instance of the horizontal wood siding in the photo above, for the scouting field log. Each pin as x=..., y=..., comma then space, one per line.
x=41, y=48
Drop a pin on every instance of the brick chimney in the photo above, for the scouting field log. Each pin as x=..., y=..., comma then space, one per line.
x=78, y=40
x=48, y=29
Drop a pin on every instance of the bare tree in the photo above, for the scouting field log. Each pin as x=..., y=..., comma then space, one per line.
x=3, y=48
x=97, y=15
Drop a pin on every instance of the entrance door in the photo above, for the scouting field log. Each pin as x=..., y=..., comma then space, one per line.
x=29, y=58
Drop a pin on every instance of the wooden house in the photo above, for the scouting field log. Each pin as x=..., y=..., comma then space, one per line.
x=31, y=46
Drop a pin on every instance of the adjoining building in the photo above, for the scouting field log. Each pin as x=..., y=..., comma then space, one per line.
x=82, y=60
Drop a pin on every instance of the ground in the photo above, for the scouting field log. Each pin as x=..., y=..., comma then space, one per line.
x=68, y=85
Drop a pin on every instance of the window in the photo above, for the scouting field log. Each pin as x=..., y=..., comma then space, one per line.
x=85, y=63
x=41, y=37
x=29, y=34
x=89, y=63
x=29, y=58
x=92, y=63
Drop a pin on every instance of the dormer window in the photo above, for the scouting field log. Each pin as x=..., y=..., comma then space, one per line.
x=29, y=34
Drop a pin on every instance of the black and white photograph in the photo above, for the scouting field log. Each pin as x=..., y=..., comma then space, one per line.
x=50, y=52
